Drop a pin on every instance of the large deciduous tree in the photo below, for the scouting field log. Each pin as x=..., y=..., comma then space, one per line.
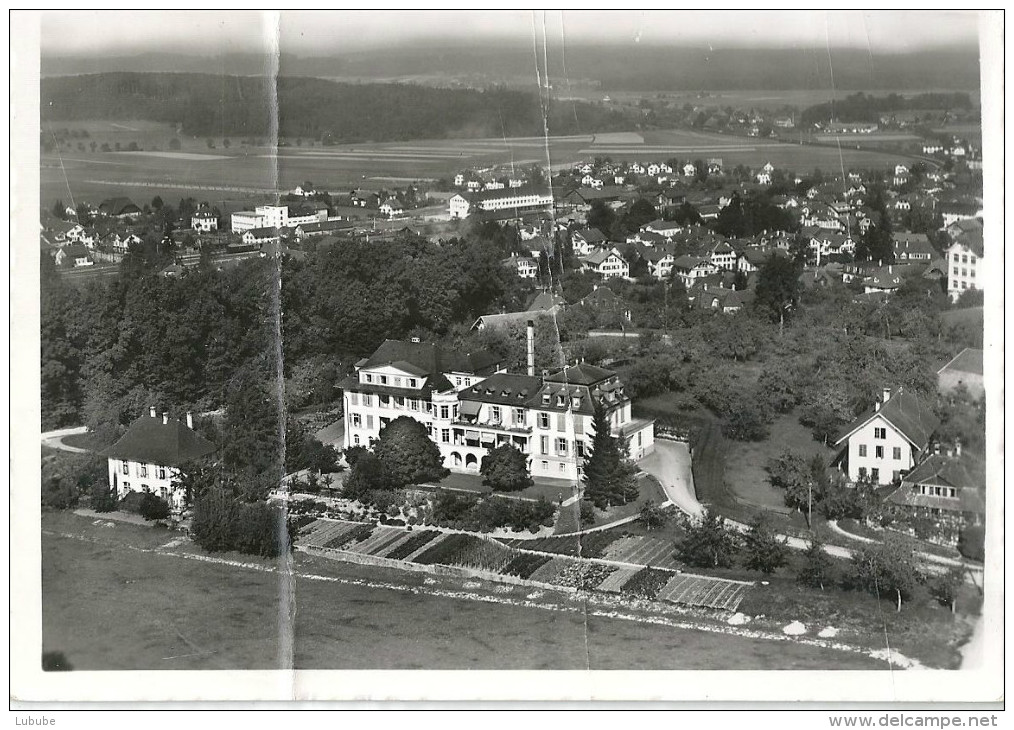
x=778, y=288
x=407, y=454
x=505, y=469
x=708, y=543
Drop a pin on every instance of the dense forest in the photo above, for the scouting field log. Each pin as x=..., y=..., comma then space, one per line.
x=202, y=105
x=863, y=108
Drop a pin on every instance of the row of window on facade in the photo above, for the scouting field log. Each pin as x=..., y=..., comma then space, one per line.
x=964, y=258
x=964, y=272
x=879, y=451
x=142, y=470
x=395, y=380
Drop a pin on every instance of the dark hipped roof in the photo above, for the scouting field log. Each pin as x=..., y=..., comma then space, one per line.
x=907, y=414
x=430, y=358
x=503, y=389
x=149, y=441
x=581, y=374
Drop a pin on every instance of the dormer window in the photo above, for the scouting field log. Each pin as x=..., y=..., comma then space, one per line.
x=560, y=400
x=545, y=399
x=575, y=402
x=383, y=379
x=369, y=377
x=411, y=382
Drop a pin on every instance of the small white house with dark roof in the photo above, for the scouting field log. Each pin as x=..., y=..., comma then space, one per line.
x=148, y=457
x=884, y=443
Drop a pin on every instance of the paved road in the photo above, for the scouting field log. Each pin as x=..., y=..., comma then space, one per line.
x=54, y=439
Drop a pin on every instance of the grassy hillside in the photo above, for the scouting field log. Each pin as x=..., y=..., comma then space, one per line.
x=220, y=105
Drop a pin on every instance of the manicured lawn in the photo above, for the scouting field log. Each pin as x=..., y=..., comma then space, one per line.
x=745, y=462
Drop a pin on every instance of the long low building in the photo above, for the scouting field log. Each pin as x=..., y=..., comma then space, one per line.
x=526, y=198
x=470, y=404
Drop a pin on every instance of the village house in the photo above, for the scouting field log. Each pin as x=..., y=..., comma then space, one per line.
x=691, y=268
x=525, y=267
x=912, y=247
x=148, y=457
x=391, y=208
x=73, y=256
x=586, y=240
x=604, y=300
x=948, y=489
x=965, y=264
x=884, y=443
x=204, y=221
x=260, y=236
x=723, y=256
x=119, y=208
x=607, y=263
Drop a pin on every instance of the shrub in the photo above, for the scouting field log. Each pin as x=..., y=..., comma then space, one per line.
x=972, y=543
x=131, y=502
x=587, y=513
x=154, y=508
x=103, y=498
x=708, y=543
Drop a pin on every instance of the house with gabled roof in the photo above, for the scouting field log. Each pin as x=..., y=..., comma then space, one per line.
x=607, y=263
x=119, y=207
x=692, y=268
x=586, y=240
x=947, y=488
x=149, y=457
x=73, y=256
x=885, y=442
x=912, y=247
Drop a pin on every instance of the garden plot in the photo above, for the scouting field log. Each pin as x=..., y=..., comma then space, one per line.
x=547, y=572
x=642, y=551
x=381, y=538
x=321, y=532
x=615, y=581
x=583, y=575
x=696, y=590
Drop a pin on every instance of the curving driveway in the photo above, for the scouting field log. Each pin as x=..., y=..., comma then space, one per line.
x=670, y=464
x=54, y=439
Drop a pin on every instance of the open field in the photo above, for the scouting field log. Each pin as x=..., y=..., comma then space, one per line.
x=245, y=172
x=108, y=606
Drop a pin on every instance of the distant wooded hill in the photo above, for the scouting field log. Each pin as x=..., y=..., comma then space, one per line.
x=863, y=108
x=617, y=67
x=221, y=105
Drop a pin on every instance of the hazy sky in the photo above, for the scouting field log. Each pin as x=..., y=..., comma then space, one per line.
x=328, y=32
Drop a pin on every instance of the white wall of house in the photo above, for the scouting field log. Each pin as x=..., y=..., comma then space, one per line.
x=132, y=476
x=878, y=450
x=964, y=270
